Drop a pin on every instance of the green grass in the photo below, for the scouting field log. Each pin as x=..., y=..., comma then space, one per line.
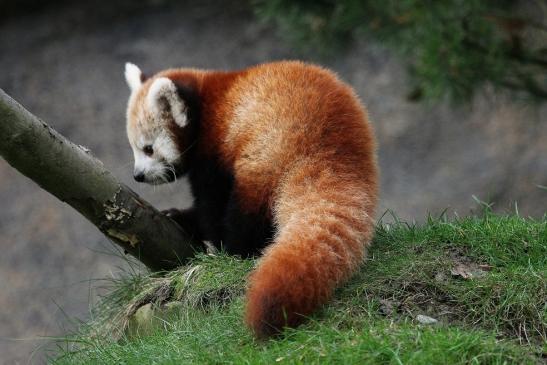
x=496, y=316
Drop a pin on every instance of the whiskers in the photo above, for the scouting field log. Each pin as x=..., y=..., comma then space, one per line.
x=169, y=168
x=165, y=175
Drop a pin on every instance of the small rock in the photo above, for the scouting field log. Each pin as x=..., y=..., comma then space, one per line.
x=426, y=319
x=150, y=316
x=467, y=271
x=144, y=314
x=142, y=321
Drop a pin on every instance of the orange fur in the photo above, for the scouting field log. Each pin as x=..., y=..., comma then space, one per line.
x=301, y=149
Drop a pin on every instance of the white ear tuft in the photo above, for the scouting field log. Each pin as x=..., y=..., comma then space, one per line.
x=133, y=76
x=164, y=90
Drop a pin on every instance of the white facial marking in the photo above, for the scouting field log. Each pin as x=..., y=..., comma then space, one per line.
x=133, y=76
x=163, y=87
x=159, y=167
x=143, y=163
x=167, y=148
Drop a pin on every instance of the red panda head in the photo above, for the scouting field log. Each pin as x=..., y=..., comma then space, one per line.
x=154, y=112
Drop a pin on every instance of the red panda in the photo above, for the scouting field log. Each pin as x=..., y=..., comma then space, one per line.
x=281, y=161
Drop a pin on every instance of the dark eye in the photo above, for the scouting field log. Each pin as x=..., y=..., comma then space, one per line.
x=148, y=150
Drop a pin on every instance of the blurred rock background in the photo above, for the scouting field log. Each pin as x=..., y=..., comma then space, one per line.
x=64, y=63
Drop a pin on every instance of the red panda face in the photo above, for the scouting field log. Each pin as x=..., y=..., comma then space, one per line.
x=152, y=107
x=156, y=156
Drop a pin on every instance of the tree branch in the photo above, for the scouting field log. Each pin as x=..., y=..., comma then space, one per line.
x=74, y=176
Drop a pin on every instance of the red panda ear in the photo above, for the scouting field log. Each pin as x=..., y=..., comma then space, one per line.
x=163, y=95
x=133, y=76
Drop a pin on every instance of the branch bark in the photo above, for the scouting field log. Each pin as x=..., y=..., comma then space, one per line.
x=69, y=172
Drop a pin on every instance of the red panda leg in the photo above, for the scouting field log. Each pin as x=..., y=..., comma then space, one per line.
x=317, y=248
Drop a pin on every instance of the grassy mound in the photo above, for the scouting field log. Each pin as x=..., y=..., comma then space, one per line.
x=473, y=290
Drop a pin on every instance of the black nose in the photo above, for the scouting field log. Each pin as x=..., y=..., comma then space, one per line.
x=139, y=177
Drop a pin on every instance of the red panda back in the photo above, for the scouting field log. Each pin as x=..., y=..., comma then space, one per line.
x=299, y=142
x=285, y=112
x=300, y=149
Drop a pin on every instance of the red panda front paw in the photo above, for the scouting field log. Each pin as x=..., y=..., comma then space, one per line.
x=186, y=218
